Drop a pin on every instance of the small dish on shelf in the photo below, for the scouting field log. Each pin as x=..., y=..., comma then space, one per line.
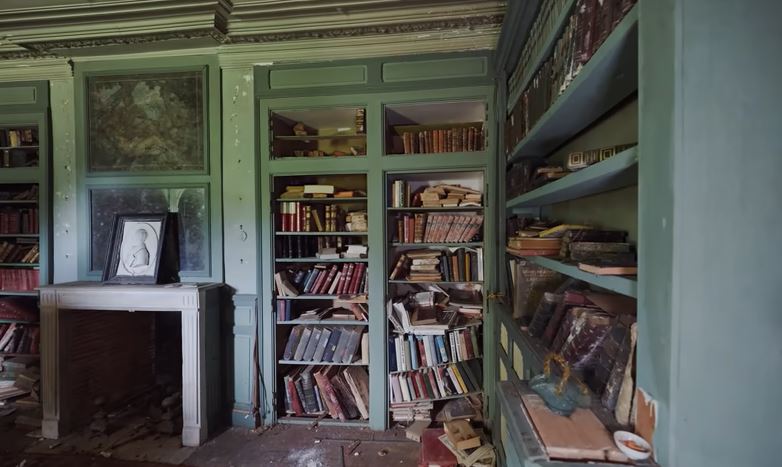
x=632, y=445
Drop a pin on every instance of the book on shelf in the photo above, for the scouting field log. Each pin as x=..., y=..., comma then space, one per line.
x=19, y=338
x=19, y=308
x=586, y=28
x=443, y=138
x=19, y=252
x=436, y=196
x=411, y=351
x=324, y=344
x=341, y=393
x=408, y=317
x=295, y=246
x=298, y=216
x=343, y=311
x=433, y=383
x=418, y=412
x=28, y=194
x=20, y=280
x=18, y=220
x=459, y=264
x=608, y=267
x=438, y=228
x=322, y=279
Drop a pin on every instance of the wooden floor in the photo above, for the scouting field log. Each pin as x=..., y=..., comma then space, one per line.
x=283, y=445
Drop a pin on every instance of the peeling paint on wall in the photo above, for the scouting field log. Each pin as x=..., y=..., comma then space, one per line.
x=645, y=415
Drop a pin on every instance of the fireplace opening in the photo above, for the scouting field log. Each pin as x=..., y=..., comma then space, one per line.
x=122, y=369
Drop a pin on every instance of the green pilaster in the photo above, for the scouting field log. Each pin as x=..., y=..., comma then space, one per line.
x=64, y=187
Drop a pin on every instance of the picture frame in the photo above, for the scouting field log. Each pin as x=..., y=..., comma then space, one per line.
x=143, y=250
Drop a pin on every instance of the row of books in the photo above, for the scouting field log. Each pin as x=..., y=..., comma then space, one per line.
x=19, y=338
x=18, y=137
x=435, y=196
x=412, y=411
x=19, y=280
x=339, y=344
x=410, y=352
x=19, y=221
x=541, y=29
x=438, y=228
x=294, y=246
x=458, y=139
x=30, y=194
x=19, y=253
x=342, y=310
x=341, y=393
x=440, y=265
x=19, y=308
x=296, y=216
x=436, y=382
x=322, y=279
x=588, y=26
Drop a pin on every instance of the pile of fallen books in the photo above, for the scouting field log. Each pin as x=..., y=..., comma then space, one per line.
x=20, y=390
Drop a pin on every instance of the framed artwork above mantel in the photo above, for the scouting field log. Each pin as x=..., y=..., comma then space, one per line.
x=147, y=122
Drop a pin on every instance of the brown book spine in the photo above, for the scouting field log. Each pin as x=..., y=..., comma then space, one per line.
x=406, y=142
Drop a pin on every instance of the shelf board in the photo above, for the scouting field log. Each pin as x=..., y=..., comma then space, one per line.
x=293, y=420
x=301, y=363
x=21, y=293
x=18, y=201
x=396, y=281
x=544, y=53
x=19, y=265
x=19, y=174
x=19, y=147
x=443, y=244
x=319, y=137
x=481, y=152
x=625, y=285
x=325, y=297
x=615, y=172
x=432, y=366
x=20, y=321
x=12, y=354
x=316, y=260
x=455, y=396
x=605, y=80
x=326, y=322
x=19, y=235
x=322, y=234
x=355, y=199
x=422, y=209
x=318, y=158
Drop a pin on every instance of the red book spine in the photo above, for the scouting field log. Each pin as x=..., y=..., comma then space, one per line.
x=468, y=343
x=422, y=353
x=342, y=277
x=357, y=275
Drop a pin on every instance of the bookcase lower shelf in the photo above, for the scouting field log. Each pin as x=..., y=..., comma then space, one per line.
x=321, y=421
x=302, y=363
x=394, y=405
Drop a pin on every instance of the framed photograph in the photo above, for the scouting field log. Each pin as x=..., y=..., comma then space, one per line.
x=146, y=122
x=141, y=249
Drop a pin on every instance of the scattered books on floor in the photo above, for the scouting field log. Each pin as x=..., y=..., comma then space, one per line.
x=411, y=352
x=341, y=393
x=333, y=344
x=19, y=338
x=439, y=265
x=432, y=383
x=322, y=279
x=18, y=220
x=438, y=228
x=437, y=196
x=420, y=140
x=19, y=280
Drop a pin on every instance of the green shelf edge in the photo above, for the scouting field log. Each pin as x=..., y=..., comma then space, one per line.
x=467, y=244
x=21, y=293
x=325, y=422
x=615, y=172
x=323, y=234
x=562, y=110
x=431, y=366
x=422, y=209
x=319, y=297
x=619, y=284
x=302, y=363
x=322, y=200
x=446, y=398
x=324, y=322
x=316, y=260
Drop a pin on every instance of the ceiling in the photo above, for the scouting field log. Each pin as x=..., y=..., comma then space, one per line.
x=30, y=28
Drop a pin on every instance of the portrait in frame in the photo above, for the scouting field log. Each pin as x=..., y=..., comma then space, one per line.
x=143, y=250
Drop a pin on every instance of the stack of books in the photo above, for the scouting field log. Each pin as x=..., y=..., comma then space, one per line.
x=356, y=221
x=316, y=344
x=412, y=411
x=450, y=196
x=19, y=338
x=343, y=311
x=327, y=390
x=435, y=265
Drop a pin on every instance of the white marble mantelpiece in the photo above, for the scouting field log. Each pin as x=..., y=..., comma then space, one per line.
x=198, y=305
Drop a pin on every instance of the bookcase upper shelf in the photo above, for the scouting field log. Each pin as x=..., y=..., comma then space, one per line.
x=615, y=172
x=610, y=76
x=625, y=285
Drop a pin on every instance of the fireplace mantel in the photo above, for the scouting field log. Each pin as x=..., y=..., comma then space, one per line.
x=199, y=307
